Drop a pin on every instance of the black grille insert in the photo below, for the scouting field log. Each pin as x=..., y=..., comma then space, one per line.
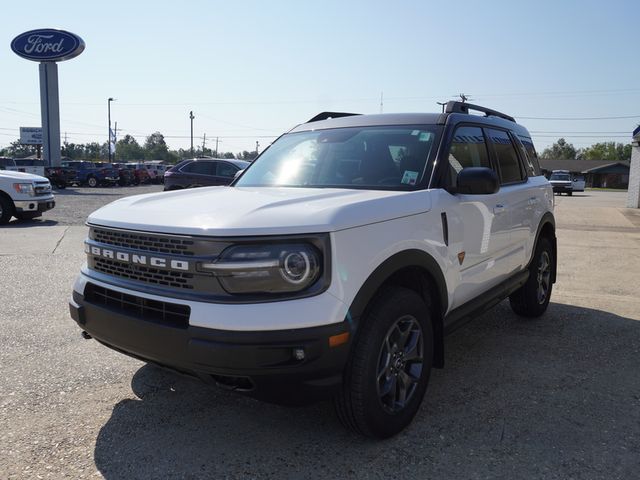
x=141, y=241
x=164, y=313
x=156, y=276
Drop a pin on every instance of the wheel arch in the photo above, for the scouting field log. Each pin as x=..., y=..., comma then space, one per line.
x=418, y=271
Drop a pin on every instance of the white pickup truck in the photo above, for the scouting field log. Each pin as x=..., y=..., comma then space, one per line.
x=23, y=195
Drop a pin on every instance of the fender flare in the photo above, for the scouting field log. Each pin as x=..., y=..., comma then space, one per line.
x=393, y=264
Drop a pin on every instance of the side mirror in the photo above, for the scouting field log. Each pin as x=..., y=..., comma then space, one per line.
x=238, y=173
x=477, y=181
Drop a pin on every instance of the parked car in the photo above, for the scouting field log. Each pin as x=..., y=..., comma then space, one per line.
x=60, y=177
x=201, y=172
x=125, y=175
x=577, y=183
x=140, y=173
x=87, y=173
x=156, y=171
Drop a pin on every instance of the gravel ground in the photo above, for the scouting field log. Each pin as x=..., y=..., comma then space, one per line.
x=74, y=204
x=554, y=398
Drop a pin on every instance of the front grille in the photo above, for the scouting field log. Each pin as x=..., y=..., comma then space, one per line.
x=42, y=188
x=169, y=314
x=142, y=241
x=157, y=276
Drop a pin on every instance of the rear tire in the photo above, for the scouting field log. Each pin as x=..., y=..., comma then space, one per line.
x=388, y=370
x=532, y=299
x=6, y=210
x=570, y=193
x=92, y=181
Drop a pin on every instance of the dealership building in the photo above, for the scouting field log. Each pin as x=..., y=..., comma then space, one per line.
x=596, y=173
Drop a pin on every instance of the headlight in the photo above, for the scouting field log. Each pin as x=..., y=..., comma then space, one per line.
x=267, y=268
x=24, y=188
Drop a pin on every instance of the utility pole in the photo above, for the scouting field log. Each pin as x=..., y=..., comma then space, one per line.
x=191, y=117
x=257, y=148
x=109, y=100
x=115, y=139
x=217, y=155
x=204, y=143
x=381, y=102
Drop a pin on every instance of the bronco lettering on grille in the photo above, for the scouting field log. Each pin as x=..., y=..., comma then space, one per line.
x=146, y=260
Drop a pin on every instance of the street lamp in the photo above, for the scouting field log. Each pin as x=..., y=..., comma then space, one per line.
x=109, y=133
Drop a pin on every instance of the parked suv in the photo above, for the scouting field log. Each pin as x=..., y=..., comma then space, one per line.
x=334, y=264
x=202, y=172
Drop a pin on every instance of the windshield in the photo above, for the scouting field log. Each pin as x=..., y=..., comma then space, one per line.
x=560, y=176
x=360, y=157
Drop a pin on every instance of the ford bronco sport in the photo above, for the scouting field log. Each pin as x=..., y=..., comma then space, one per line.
x=334, y=265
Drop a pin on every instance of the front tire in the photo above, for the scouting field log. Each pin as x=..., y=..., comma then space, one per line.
x=388, y=371
x=6, y=210
x=92, y=182
x=532, y=299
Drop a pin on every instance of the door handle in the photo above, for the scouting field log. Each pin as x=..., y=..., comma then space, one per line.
x=499, y=209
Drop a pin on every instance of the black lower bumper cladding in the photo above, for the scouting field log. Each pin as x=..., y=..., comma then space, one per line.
x=294, y=366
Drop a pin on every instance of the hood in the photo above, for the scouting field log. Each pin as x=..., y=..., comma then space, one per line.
x=231, y=211
x=21, y=176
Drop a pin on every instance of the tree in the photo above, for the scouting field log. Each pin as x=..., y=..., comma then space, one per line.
x=610, y=151
x=128, y=148
x=155, y=148
x=245, y=155
x=18, y=150
x=561, y=150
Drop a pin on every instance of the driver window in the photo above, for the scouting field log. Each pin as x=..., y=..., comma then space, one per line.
x=468, y=149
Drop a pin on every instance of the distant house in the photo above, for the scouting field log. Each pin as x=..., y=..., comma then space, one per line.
x=596, y=173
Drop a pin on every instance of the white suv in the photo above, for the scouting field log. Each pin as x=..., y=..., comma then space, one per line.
x=334, y=265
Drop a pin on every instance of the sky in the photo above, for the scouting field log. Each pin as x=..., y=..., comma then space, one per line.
x=250, y=70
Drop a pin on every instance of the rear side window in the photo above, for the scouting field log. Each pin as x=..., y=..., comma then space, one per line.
x=532, y=163
x=226, y=170
x=510, y=171
x=468, y=149
x=200, y=167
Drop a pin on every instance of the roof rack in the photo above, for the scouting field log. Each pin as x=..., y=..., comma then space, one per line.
x=327, y=115
x=462, y=107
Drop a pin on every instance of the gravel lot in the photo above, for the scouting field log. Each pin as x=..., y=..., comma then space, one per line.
x=74, y=204
x=557, y=397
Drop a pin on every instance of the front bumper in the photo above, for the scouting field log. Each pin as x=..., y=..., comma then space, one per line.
x=35, y=205
x=261, y=364
x=562, y=188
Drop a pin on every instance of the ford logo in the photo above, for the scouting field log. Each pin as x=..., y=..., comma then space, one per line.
x=47, y=45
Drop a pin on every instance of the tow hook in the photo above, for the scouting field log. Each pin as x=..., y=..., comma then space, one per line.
x=85, y=335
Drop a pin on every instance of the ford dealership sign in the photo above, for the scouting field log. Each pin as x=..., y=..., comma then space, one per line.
x=47, y=45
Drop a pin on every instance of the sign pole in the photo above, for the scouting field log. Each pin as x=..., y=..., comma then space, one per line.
x=50, y=111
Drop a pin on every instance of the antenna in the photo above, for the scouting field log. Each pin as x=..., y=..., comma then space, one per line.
x=464, y=98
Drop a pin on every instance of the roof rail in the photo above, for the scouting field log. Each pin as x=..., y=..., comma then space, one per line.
x=326, y=115
x=462, y=107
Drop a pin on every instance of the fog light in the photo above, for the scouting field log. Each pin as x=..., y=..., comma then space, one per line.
x=298, y=353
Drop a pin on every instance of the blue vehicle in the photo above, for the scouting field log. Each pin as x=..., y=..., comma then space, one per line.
x=88, y=173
